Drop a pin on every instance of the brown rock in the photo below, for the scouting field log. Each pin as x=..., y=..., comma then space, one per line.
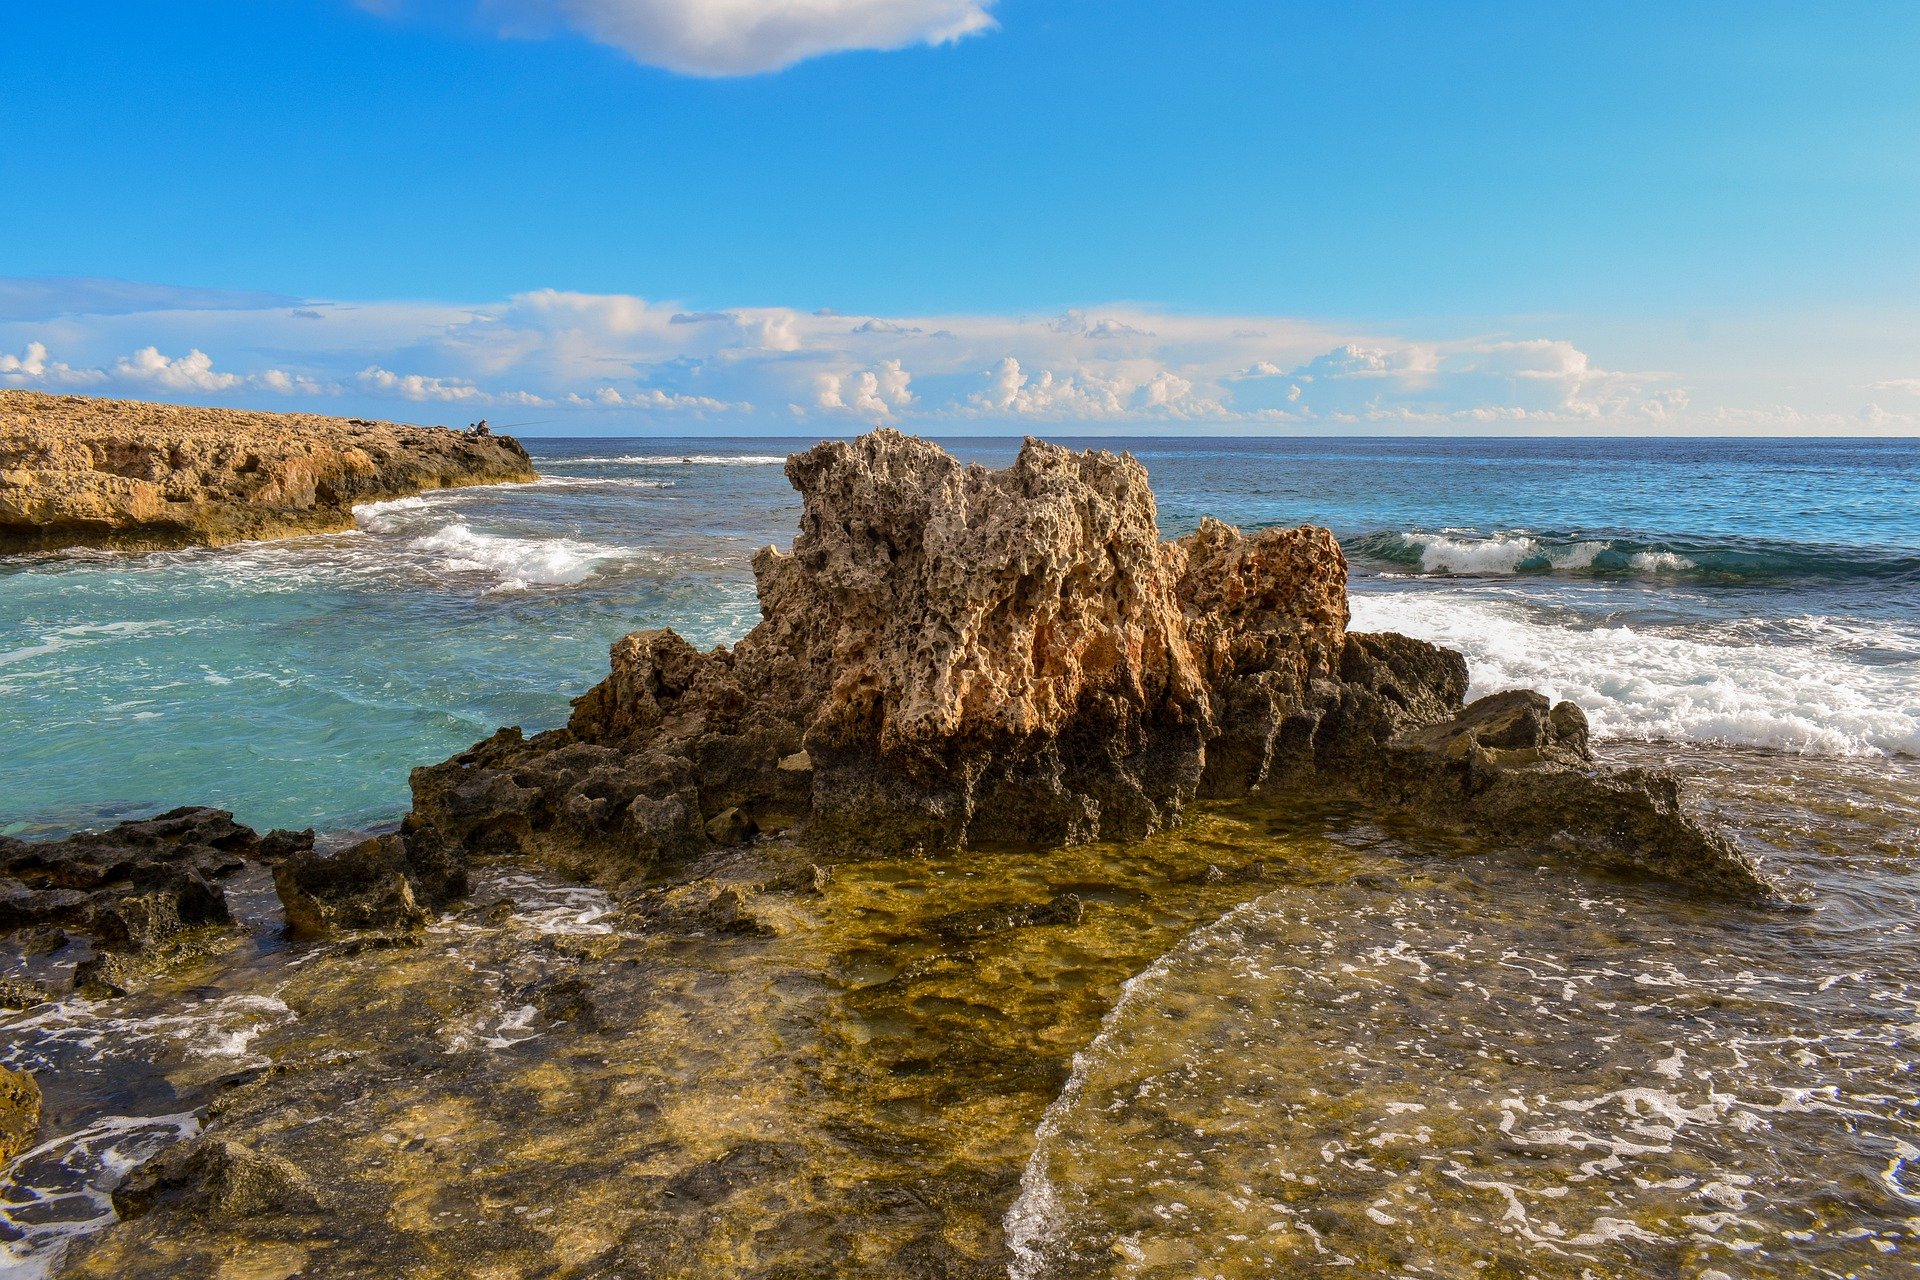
x=19, y=1112
x=76, y=471
x=387, y=882
x=951, y=655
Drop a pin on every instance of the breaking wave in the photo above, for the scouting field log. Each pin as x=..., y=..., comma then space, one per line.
x=674, y=460
x=1825, y=686
x=517, y=563
x=1471, y=553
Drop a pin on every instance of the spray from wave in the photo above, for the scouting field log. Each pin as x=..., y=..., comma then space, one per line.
x=1831, y=690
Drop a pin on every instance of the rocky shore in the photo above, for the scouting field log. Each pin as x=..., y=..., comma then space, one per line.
x=864, y=882
x=79, y=471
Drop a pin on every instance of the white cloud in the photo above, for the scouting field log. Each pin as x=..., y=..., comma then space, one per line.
x=425, y=388
x=192, y=372
x=1010, y=389
x=740, y=37
x=652, y=398
x=608, y=360
x=32, y=364
x=869, y=393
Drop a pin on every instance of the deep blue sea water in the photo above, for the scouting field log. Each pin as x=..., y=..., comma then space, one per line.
x=1757, y=593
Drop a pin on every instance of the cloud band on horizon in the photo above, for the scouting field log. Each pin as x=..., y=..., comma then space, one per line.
x=597, y=358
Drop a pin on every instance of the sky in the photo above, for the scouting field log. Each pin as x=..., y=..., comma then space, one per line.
x=799, y=217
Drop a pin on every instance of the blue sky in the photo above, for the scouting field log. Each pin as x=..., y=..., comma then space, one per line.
x=610, y=215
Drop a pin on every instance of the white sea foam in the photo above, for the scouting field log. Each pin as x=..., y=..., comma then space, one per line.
x=675, y=460
x=1659, y=562
x=1502, y=553
x=1680, y=684
x=518, y=563
x=61, y=1189
x=1462, y=552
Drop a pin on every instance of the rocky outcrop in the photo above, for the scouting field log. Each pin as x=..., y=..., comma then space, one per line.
x=951, y=655
x=387, y=883
x=19, y=1112
x=76, y=471
x=136, y=890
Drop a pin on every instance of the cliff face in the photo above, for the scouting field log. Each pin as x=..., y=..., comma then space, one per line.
x=951, y=655
x=76, y=471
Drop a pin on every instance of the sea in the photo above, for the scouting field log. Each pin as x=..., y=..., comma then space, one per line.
x=1505, y=1070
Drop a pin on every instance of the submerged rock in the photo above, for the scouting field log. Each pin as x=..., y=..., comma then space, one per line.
x=78, y=471
x=138, y=890
x=951, y=655
x=19, y=1112
x=210, y=1176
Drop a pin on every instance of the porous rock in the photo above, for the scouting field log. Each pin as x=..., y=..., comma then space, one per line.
x=953, y=655
x=390, y=882
x=76, y=470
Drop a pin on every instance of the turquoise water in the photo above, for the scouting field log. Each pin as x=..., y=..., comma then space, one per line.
x=1763, y=594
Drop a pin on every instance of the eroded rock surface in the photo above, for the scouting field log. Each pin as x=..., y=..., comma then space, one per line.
x=137, y=890
x=124, y=473
x=951, y=655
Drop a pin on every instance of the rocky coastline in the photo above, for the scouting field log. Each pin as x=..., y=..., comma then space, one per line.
x=78, y=471
x=1006, y=673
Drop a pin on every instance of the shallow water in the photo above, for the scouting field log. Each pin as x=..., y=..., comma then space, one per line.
x=1425, y=1064
x=1614, y=1080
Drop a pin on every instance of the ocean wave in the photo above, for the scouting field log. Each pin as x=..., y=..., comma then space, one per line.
x=1685, y=683
x=518, y=563
x=672, y=460
x=1469, y=553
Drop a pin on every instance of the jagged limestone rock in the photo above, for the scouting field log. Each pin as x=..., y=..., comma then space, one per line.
x=387, y=882
x=951, y=655
x=209, y=1176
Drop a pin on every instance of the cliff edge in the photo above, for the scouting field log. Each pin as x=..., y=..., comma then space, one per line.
x=79, y=471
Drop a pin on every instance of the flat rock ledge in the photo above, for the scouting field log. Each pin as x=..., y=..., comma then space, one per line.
x=951, y=655
x=125, y=474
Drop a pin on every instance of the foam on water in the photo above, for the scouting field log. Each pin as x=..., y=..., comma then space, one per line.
x=1703, y=682
x=673, y=460
x=61, y=1190
x=1425, y=1067
x=517, y=563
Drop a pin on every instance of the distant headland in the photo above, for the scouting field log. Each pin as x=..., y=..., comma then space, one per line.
x=127, y=474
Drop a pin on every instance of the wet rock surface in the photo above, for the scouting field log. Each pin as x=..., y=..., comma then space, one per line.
x=19, y=1112
x=386, y=882
x=212, y=1177
x=140, y=892
x=952, y=656
x=79, y=471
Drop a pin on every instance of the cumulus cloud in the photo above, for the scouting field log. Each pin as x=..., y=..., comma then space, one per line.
x=424, y=387
x=192, y=372
x=610, y=359
x=869, y=393
x=737, y=37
